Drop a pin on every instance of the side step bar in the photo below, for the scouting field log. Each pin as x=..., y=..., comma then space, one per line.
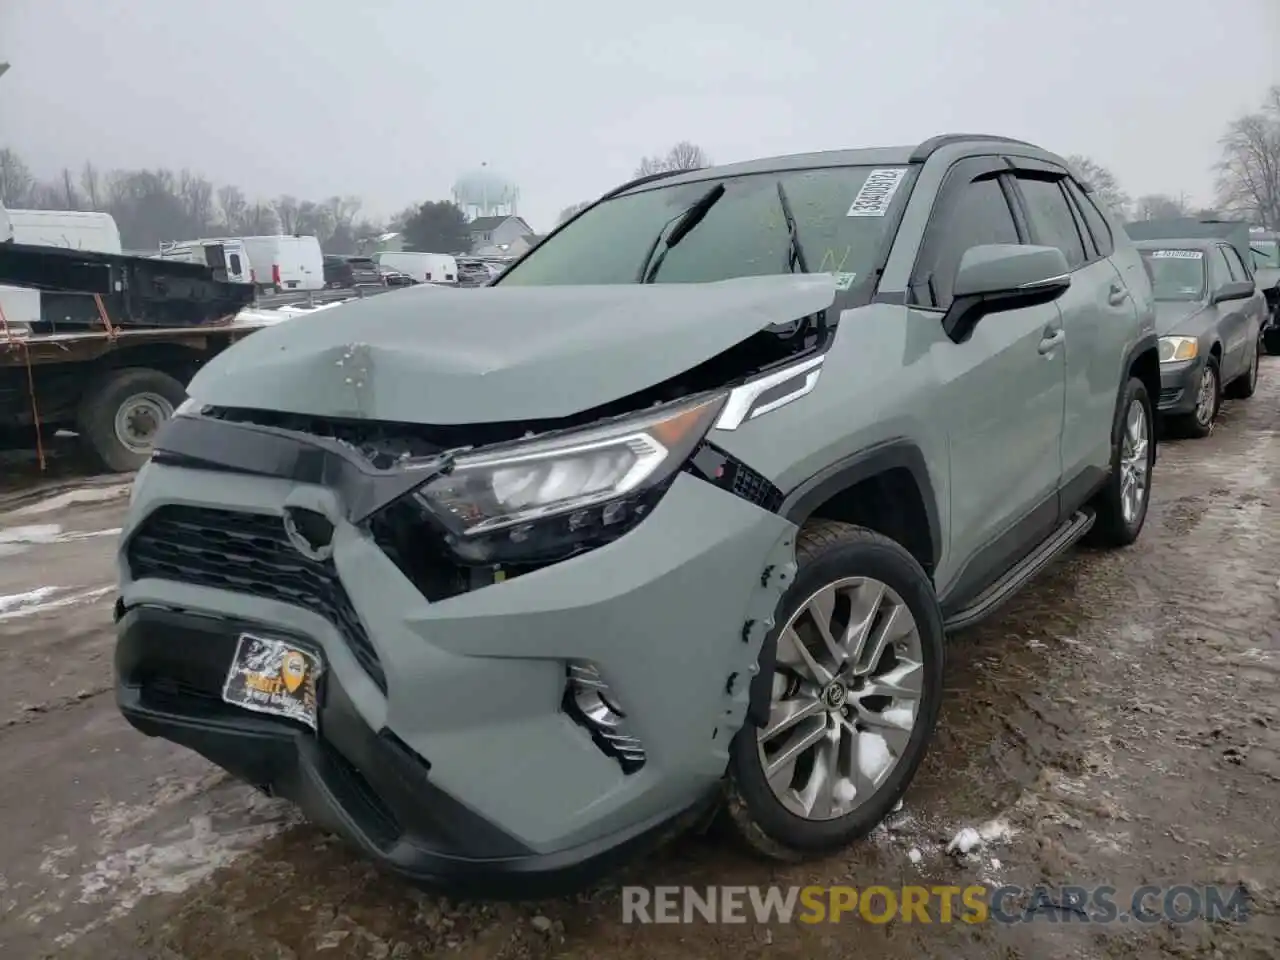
x=1065, y=537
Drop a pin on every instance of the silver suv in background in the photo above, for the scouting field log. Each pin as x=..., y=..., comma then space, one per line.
x=675, y=514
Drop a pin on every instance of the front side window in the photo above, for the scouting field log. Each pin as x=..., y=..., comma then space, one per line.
x=842, y=215
x=1176, y=275
x=1219, y=272
x=1052, y=222
x=1236, y=265
x=979, y=215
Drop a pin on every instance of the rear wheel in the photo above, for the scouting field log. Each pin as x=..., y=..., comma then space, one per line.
x=855, y=692
x=1122, y=504
x=120, y=417
x=1243, y=386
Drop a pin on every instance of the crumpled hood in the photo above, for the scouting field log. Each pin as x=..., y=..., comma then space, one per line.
x=500, y=353
x=1177, y=317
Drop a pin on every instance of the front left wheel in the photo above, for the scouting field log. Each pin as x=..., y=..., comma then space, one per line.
x=854, y=697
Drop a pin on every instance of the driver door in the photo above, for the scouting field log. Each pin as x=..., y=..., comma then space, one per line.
x=1004, y=388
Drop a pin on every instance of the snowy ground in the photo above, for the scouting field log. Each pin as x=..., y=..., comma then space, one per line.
x=1118, y=723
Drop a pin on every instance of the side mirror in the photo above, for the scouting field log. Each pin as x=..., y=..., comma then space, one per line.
x=996, y=277
x=1235, y=290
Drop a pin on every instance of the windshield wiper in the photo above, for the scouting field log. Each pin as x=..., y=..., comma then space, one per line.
x=795, y=253
x=683, y=227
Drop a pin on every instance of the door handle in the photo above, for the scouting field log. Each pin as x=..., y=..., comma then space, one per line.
x=1118, y=295
x=1051, y=341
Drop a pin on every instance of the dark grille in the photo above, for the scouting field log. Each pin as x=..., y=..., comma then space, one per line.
x=1170, y=395
x=247, y=553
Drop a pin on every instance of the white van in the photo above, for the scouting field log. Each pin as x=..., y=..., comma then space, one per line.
x=227, y=257
x=423, y=267
x=283, y=263
x=79, y=230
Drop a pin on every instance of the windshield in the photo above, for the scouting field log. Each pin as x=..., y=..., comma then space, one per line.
x=841, y=214
x=1176, y=274
x=1266, y=253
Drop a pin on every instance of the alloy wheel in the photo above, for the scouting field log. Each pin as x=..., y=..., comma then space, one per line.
x=846, y=695
x=1207, y=397
x=1135, y=463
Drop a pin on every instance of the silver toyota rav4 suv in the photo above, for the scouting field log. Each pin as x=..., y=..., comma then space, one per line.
x=504, y=584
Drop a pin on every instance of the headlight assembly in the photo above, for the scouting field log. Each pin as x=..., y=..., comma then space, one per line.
x=1178, y=349
x=549, y=497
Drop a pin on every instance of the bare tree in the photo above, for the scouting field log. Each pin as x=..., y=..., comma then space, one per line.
x=234, y=208
x=196, y=194
x=16, y=180
x=91, y=184
x=69, y=194
x=572, y=209
x=1249, y=172
x=686, y=156
x=683, y=156
x=1106, y=188
x=287, y=210
x=1160, y=206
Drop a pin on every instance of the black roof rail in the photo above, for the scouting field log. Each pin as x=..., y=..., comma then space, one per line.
x=647, y=178
x=923, y=152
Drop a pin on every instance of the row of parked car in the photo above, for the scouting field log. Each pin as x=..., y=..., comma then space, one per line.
x=403, y=269
x=1216, y=286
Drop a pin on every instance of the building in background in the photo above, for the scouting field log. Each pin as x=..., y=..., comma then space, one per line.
x=483, y=193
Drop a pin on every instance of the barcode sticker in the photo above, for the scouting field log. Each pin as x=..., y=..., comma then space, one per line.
x=877, y=193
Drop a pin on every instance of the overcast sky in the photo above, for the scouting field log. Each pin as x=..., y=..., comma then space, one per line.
x=393, y=99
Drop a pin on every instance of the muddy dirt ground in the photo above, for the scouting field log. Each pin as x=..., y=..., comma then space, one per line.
x=1123, y=716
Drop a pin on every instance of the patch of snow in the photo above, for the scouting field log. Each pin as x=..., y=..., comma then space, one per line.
x=914, y=855
x=31, y=609
x=964, y=841
x=63, y=500
x=15, y=601
x=968, y=839
x=873, y=756
x=34, y=533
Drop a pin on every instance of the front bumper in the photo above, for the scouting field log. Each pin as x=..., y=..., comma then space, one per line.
x=1179, y=384
x=368, y=786
x=469, y=770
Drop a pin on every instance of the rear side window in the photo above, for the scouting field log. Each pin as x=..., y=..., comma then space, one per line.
x=979, y=215
x=235, y=263
x=1052, y=223
x=1093, y=218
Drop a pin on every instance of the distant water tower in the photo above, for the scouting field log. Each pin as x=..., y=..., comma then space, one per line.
x=482, y=193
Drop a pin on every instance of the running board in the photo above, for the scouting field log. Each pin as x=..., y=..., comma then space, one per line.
x=1065, y=537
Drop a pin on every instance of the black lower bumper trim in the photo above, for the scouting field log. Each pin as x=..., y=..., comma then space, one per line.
x=365, y=785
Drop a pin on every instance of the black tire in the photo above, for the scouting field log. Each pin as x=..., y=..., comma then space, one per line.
x=1243, y=386
x=132, y=386
x=827, y=551
x=1111, y=529
x=1189, y=425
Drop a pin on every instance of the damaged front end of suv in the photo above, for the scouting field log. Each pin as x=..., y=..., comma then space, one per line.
x=466, y=575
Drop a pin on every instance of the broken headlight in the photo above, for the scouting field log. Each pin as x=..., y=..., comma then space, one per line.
x=547, y=498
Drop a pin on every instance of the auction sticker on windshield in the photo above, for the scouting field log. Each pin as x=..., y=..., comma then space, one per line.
x=274, y=677
x=877, y=193
x=1176, y=254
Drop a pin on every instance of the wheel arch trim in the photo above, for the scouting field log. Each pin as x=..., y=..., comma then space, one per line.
x=804, y=498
